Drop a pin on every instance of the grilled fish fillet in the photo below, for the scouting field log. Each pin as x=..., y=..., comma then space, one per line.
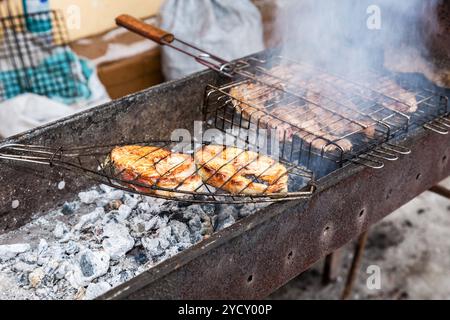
x=229, y=168
x=154, y=166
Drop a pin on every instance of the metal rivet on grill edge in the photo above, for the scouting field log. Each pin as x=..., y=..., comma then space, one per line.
x=389, y=193
x=61, y=185
x=290, y=254
x=15, y=204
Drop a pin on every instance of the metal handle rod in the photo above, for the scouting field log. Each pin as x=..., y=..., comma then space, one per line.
x=166, y=38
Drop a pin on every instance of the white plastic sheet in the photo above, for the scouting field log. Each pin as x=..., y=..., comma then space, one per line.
x=228, y=29
x=27, y=111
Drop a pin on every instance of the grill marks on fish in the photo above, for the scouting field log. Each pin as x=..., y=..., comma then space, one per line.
x=227, y=168
x=231, y=169
x=156, y=167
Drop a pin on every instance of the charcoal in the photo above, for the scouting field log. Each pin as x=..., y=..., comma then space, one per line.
x=144, y=207
x=115, y=195
x=180, y=231
x=89, y=266
x=23, y=280
x=195, y=224
x=183, y=204
x=152, y=246
x=131, y=201
x=60, y=230
x=21, y=266
x=36, y=277
x=141, y=258
x=95, y=290
x=28, y=257
x=43, y=247
x=108, y=237
x=124, y=212
x=226, y=222
x=118, y=240
x=137, y=226
x=89, y=197
x=71, y=248
x=88, y=219
x=193, y=211
x=105, y=188
x=61, y=271
x=68, y=208
x=8, y=252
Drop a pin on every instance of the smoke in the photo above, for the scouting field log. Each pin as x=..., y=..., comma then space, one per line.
x=347, y=35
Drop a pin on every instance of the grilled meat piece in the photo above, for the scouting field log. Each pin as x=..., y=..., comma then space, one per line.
x=240, y=172
x=323, y=110
x=399, y=99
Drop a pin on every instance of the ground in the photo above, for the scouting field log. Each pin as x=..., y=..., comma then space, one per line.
x=412, y=249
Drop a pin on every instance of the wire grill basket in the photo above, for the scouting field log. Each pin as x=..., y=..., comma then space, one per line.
x=166, y=169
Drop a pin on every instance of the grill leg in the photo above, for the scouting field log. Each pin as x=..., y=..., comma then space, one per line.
x=441, y=191
x=331, y=267
x=354, y=268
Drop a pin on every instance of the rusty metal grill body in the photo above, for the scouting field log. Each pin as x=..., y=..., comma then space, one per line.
x=273, y=245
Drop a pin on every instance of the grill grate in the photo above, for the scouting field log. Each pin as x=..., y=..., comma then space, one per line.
x=321, y=120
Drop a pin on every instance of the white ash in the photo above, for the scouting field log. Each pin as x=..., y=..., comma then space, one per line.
x=117, y=240
x=89, y=197
x=103, y=239
x=96, y=289
x=60, y=230
x=89, y=265
x=8, y=252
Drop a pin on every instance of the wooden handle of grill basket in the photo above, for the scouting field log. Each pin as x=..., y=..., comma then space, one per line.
x=144, y=29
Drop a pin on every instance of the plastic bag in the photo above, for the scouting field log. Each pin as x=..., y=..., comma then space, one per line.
x=228, y=29
x=27, y=111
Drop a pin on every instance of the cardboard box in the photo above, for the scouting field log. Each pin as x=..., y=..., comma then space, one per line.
x=126, y=63
x=130, y=75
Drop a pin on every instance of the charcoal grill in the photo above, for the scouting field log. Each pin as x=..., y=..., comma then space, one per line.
x=259, y=253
